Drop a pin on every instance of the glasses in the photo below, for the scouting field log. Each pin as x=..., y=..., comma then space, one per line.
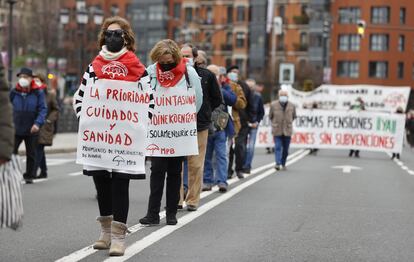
x=116, y=33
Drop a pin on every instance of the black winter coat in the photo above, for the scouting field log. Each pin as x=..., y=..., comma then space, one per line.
x=211, y=97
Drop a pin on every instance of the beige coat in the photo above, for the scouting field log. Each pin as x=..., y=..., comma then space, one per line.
x=240, y=104
x=282, y=119
x=47, y=131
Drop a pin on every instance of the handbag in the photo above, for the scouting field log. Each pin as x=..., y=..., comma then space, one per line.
x=11, y=204
x=219, y=118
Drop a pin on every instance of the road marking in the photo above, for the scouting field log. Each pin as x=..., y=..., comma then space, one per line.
x=402, y=165
x=76, y=173
x=154, y=237
x=347, y=169
x=87, y=251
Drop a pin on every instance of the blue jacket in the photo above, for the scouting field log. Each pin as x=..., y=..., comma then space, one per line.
x=258, y=104
x=230, y=99
x=28, y=109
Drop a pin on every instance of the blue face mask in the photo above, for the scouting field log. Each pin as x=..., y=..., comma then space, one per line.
x=233, y=76
x=283, y=99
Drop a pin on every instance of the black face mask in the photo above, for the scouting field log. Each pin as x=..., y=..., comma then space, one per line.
x=168, y=67
x=114, y=43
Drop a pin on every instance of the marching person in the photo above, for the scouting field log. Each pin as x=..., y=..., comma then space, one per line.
x=47, y=131
x=116, y=62
x=254, y=125
x=358, y=106
x=247, y=115
x=282, y=113
x=217, y=142
x=399, y=110
x=6, y=121
x=409, y=128
x=29, y=113
x=170, y=76
x=211, y=100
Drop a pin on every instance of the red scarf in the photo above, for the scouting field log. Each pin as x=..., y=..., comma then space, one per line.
x=26, y=90
x=172, y=77
x=126, y=68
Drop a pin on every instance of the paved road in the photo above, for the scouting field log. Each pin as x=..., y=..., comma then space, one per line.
x=312, y=212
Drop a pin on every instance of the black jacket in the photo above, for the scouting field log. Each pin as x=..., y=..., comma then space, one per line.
x=6, y=122
x=211, y=97
x=249, y=114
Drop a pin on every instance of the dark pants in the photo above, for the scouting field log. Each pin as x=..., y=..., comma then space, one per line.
x=41, y=159
x=31, y=144
x=160, y=166
x=351, y=152
x=239, y=150
x=282, y=144
x=113, y=196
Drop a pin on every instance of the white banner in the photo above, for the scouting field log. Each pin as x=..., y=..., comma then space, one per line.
x=369, y=131
x=173, y=127
x=341, y=97
x=113, y=125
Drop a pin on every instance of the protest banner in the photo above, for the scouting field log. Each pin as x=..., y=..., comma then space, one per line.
x=341, y=97
x=173, y=127
x=325, y=129
x=113, y=125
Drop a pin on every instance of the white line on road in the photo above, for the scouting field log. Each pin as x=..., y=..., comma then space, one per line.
x=75, y=173
x=152, y=238
x=87, y=251
x=402, y=165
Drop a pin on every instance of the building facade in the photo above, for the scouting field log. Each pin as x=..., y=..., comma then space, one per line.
x=149, y=20
x=383, y=55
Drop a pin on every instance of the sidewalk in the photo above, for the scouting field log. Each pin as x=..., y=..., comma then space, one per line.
x=62, y=143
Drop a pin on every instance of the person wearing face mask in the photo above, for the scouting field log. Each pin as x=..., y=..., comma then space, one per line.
x=282, y=113
x=247, y=115
x=116, y=66
x=211, y=100
x=29, y=114
x=170, y=75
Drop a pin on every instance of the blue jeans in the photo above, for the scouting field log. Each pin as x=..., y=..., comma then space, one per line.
x=281, y=149
x=216, y=145
x=250, y=149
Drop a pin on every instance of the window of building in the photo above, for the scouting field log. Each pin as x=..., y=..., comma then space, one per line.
x=378, y=69
x=282, y=11
x=303, y=39
x=402, y=15
x=240, y=63
x=280, y=42
x=209, y=15
x=379, y=42
x=349, y=15
x=188, y=14
x=229, y=38
x=240, y=37
x=400, y=70
x=349, y=69
x=114, y=9
x=401, y=43
x=139, y=14
x=380, y=15
x=177, y=10
x=241, y=14
x=349, y=42
x=155, y=12
x=229, y=14
x=229, y=62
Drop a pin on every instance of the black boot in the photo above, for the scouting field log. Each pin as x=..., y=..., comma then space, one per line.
x=150, y=220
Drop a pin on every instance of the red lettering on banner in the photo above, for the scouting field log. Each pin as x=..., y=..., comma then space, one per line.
x=106, y=137
x=96, y=95
x=263, y=137
x=369, y=141
x=325, y=138
x=306, y=138
x=167, y=151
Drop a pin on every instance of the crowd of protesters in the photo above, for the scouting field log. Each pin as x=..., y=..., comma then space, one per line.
x=229, y=110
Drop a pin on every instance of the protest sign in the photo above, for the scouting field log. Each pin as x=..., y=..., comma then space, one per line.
x=341, y=97
x=113, y=125
x=173, y=127
x=369, y=131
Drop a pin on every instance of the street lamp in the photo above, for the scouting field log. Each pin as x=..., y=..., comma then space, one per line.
x=10, y=50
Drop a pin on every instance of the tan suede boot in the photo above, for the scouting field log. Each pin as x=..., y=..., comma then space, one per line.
x=118, y=232
x=104, y=241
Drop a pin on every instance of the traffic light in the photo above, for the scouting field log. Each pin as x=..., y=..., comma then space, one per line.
x=361, y=27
